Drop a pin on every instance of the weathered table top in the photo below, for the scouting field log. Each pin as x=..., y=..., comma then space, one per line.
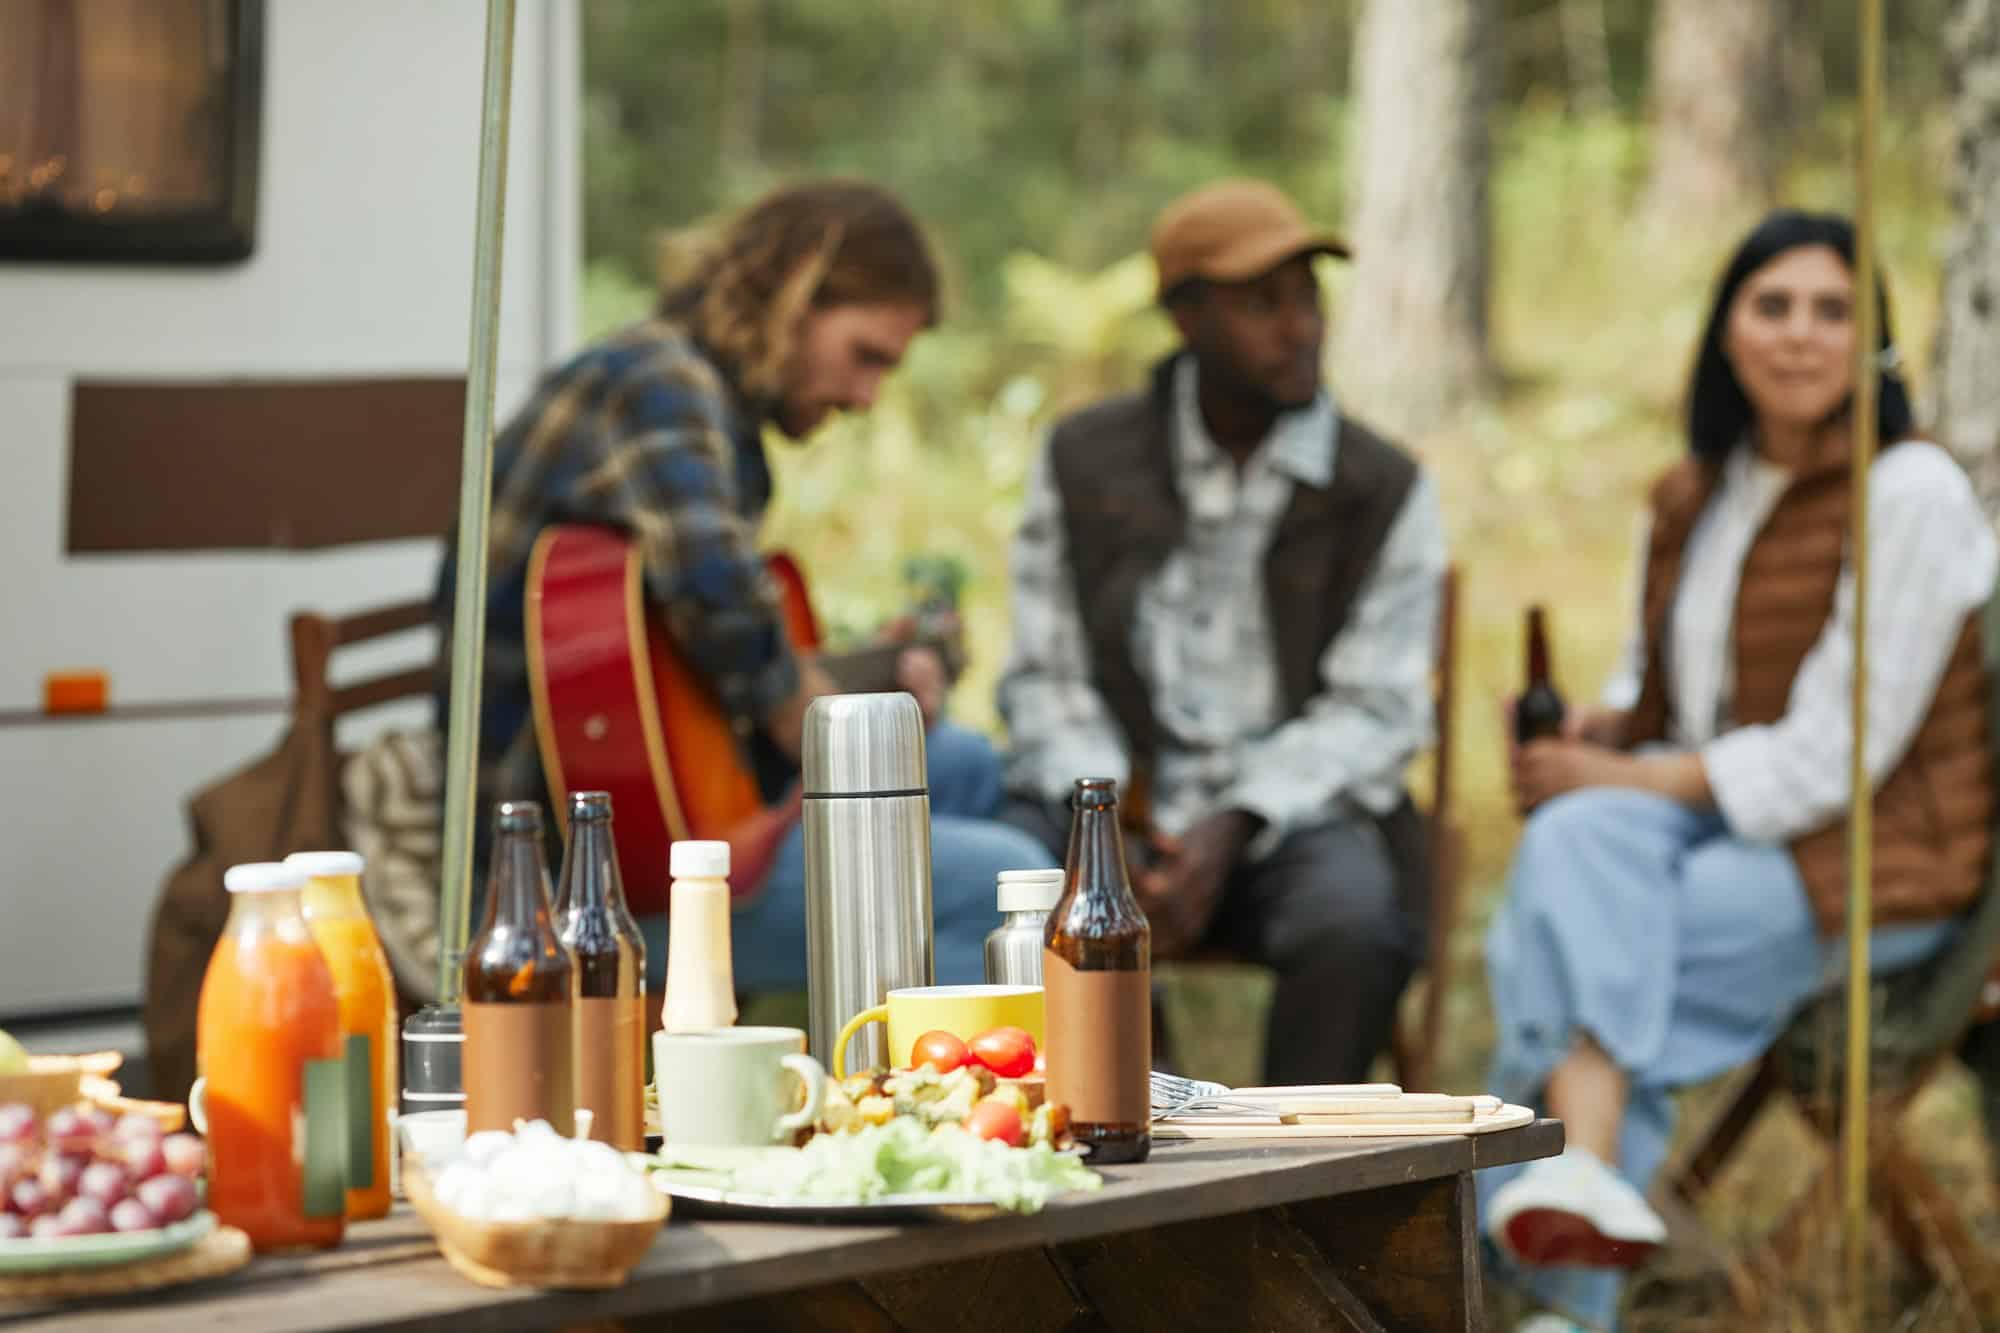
x=389, y=1275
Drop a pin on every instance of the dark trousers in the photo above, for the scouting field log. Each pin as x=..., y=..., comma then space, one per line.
x=1323, y=912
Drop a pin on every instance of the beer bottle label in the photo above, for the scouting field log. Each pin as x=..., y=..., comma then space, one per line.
x=1100, y=1042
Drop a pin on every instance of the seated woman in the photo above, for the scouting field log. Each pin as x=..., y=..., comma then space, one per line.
x=1681, y=882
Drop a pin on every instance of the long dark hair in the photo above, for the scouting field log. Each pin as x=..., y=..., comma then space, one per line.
x=1719, y=413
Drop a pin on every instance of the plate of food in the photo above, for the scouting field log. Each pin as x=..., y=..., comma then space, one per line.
x=901, y=1170
x=80, y=1188
x=893, y=1145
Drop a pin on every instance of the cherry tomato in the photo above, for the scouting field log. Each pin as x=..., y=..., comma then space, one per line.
x=1008, y=1052
x=995, y=1120
x=938, y=1049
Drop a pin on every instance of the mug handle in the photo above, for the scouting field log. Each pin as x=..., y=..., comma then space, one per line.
x=198, y=1106
x=876, y=1014
x=814, y=1077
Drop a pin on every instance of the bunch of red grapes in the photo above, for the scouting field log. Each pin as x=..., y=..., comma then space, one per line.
x=83, y=1172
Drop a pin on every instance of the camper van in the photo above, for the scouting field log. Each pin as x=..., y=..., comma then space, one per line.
x=204, y=436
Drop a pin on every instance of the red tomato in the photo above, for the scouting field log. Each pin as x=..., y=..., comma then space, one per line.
x=938, y=1049
x=1008, y=1052
x=995, y=1120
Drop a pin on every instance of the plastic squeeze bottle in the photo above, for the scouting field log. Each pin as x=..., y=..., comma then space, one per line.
x=701, y=976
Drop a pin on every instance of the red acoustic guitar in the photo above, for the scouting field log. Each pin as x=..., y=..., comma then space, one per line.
x=618, y=708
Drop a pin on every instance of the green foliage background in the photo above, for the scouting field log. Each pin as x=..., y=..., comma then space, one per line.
x=1037, y=138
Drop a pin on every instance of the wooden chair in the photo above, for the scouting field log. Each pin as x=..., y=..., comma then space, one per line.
x=1919, y=1018
x=318, y=702
x=315, y=638
x=1419, y=1029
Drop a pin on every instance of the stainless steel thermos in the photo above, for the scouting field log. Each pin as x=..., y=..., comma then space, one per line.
x=867, y=815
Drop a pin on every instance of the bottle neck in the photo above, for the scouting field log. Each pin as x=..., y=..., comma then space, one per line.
x=273, y=910
x=590, y=876
x=1538, y=648
x=1097, y=851
x=517, y=891
x=332, y=897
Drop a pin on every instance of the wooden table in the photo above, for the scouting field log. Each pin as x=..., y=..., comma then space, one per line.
x=1336, y=1234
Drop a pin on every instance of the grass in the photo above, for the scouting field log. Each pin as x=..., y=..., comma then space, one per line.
x=1594, y=322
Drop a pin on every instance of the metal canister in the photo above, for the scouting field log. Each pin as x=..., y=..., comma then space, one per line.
x=867, y=815
x=1014, y=951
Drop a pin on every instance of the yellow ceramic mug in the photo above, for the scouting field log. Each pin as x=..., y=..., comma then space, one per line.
x=963, y=1011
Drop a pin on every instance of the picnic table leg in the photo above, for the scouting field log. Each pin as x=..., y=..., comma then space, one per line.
x=1410, y=1253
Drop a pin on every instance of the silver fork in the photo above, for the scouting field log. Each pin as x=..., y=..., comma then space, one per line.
x=1171, y=1095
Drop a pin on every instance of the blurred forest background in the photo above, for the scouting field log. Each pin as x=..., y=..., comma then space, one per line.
x=1540, y=192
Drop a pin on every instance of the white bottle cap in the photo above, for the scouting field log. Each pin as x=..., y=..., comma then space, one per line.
x=695, y=859
x=1030, y=890
x=263, y=877
x=326, y=865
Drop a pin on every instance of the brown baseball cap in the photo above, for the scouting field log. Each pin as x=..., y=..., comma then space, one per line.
x=1232, y=231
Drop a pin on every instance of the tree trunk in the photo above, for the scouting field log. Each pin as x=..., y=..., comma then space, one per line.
x=1968, y=343
x=1586, y=55
x=1718, y=71
x=1410, y=348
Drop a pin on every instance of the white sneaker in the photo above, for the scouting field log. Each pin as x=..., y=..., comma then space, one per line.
x=1549, y=1323
x=1574, y=1211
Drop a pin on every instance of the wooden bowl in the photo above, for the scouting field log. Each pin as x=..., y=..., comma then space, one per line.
x=569, y=1255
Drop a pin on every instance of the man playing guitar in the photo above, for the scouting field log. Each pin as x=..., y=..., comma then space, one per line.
x=801, y=307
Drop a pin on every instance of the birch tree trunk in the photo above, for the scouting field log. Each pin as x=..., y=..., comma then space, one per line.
x=1716, y=88
x=1968, y=343
x=1410, y=342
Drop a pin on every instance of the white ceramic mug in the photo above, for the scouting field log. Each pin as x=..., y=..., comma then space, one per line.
x=735, y=1085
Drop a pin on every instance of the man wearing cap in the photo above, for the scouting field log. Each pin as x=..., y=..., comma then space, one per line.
x=1225, y=594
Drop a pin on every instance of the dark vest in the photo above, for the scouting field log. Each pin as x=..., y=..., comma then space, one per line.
x=1123, y=514
x=1933, y=814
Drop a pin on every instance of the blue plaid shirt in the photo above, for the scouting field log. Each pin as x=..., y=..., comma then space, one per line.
x=641, y=432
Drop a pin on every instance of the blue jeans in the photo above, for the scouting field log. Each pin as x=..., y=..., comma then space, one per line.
x=969, y=849
x=1676, y=946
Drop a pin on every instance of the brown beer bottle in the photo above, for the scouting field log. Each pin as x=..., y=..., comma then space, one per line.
x=520, y=989
x=1097, y=980
x=598, y=930
x=1539, y=712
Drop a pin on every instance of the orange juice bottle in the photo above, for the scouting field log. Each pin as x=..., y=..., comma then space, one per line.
x=367, y=992
x=273, y=1088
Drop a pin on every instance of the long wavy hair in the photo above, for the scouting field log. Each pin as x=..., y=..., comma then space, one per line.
x=742, y=291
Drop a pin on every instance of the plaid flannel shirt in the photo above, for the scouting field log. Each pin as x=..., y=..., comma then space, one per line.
x=641, y=432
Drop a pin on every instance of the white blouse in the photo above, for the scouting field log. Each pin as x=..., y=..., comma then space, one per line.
x=1934, y=560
